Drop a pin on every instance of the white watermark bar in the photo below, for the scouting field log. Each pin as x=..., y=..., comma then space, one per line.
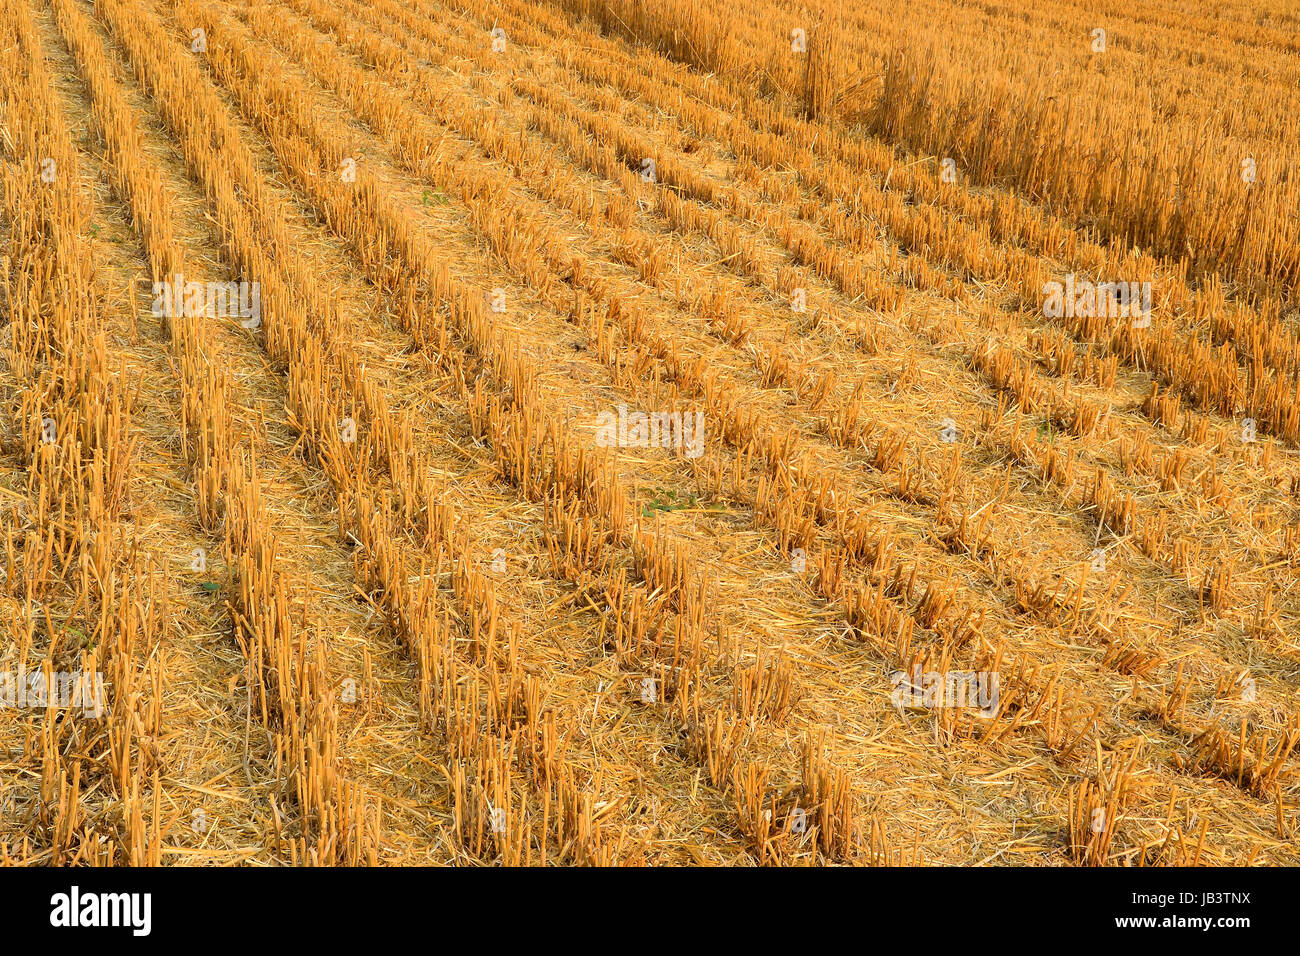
x=235, y=300
x=1084, y=299
x=62, y=690
x=637, y=429
x=933, y=690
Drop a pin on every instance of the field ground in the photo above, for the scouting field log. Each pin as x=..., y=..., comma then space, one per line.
x=373, y=575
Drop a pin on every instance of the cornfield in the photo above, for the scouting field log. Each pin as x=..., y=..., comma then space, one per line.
x=597, y=432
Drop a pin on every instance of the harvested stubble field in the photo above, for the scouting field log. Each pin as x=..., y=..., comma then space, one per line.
x=331, y=327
